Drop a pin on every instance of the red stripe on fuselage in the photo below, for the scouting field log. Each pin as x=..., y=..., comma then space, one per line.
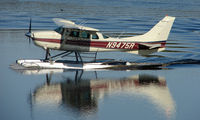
x=48, y=40
x=104, y=44
x=101, y=44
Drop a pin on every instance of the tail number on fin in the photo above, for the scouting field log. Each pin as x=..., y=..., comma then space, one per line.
x=120, y=45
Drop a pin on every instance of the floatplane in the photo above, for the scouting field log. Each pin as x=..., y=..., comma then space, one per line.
x=73, y=38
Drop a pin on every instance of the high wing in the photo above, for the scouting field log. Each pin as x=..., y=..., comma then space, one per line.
x=69, y=24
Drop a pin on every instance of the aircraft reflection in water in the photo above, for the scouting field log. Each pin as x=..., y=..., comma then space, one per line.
x=83, y=94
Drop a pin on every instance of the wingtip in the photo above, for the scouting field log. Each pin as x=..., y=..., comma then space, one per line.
x=169, y=17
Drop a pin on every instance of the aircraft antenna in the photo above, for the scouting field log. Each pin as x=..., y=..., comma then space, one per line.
x=82, y=24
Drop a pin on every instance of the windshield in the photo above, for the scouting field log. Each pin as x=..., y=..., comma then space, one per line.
x=59, y=30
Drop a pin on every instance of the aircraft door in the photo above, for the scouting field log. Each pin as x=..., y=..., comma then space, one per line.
x=65, y=35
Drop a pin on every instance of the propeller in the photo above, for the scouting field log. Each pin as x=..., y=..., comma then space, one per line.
x=29, y=30
x=28, y=34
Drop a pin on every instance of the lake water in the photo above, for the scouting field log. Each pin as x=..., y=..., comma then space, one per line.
x=169, y=93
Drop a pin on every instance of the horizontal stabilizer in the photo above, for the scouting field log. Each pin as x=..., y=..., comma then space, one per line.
x=149, y=46
x=146, y=52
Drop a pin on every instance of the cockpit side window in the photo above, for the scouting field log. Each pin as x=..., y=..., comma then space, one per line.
x=94, y=36
x=59, y=30
x=74, y=34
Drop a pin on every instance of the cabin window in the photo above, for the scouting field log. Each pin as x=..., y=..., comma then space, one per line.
x=59, y=30
x=94, y=36
x=105, y=37
x=85, y=34
x=74, y=34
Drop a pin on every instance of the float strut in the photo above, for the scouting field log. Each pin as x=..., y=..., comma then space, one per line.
x=47, y=54
x=76, y=55
x=80, y=57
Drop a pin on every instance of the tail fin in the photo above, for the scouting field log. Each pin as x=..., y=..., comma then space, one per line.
x=159, y=32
